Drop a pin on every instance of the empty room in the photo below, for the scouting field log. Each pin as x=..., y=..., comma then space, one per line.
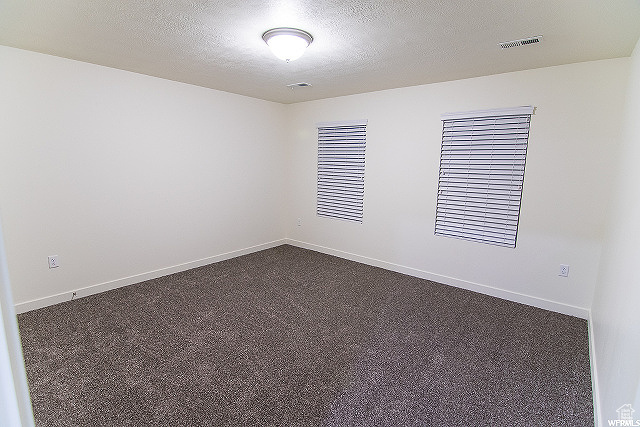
x=319, y=213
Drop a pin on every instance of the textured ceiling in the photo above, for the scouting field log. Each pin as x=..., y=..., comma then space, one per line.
x=359, y=46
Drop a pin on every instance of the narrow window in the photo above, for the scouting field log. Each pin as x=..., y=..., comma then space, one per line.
x=482, y=164
x=341, y=149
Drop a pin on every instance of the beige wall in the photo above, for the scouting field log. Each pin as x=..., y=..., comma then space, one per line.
x=573, y=139
x=123, y=175
x=616, y=305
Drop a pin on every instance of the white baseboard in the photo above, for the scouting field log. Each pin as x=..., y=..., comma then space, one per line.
x=597, y=413
x=137, y=278
x=484, y=289
x=558, y=307
x=476, y=287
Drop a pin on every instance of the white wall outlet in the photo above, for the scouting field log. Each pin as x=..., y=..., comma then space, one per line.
x=299, y=222
x=54, y=262
x=564, y=270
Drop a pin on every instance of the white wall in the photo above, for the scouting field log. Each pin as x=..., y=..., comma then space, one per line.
x=573, y=138
x=616, y=306
x=122, y=174
x=126, y=177
x=15, y=405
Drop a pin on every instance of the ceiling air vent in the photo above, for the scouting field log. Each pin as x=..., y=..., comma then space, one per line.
x=521, y=42
x=301, y=84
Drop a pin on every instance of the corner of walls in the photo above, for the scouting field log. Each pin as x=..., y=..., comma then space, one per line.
x=14, y=390
x=595, y=390
x=288, y=186
x=615, y=312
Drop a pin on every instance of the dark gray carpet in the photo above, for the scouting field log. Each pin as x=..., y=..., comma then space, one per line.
x=291, y=337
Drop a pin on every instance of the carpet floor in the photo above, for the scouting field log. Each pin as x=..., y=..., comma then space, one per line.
x=291, y=337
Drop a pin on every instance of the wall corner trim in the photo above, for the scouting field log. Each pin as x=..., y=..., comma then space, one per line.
x=597, y=413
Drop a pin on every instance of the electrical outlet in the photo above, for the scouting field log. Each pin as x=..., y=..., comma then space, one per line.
x=299, y=222
x=564, y=270
x=54, y=262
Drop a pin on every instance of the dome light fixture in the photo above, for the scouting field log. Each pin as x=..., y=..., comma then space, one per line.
x=286, y=43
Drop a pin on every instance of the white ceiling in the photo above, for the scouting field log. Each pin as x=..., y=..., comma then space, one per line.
x=359, y=46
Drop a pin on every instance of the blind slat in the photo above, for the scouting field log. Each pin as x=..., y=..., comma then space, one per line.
x=341, y=161
x=482, y=164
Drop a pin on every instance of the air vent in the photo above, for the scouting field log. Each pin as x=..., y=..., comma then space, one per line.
x=521, y=42
x=301, y=84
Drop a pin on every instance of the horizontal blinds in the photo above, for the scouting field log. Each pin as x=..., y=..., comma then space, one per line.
x=341, y=150
x=482, y=164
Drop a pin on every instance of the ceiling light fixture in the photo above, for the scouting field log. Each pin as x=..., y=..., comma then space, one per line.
x=287, y=44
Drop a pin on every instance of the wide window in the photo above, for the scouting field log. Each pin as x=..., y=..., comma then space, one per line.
x=341, y=150
x=482, y=162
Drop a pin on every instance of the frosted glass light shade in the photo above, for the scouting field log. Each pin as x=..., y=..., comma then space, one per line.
x=287, y=44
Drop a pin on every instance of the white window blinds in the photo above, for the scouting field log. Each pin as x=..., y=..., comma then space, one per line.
x=341, y=150
x=482, y=163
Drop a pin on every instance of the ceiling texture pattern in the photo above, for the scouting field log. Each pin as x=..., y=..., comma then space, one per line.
x=359, y=46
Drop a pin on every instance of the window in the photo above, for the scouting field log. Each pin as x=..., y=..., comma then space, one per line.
x=341, y=149
x=482, y=164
